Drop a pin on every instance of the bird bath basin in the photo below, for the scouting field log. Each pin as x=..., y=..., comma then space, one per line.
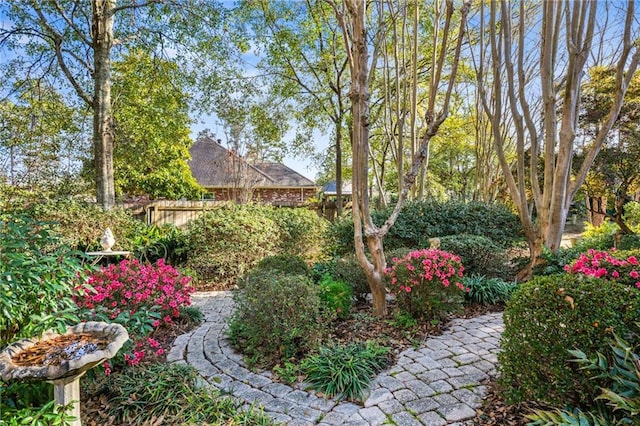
x=62, y=358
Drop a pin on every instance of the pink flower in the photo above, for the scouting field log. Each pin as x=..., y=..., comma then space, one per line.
x=107, y=368
x=634, y=274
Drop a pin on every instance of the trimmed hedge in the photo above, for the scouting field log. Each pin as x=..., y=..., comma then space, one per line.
x=420, y=220
x=547, y=317
x=479, y=255
x=228, y=241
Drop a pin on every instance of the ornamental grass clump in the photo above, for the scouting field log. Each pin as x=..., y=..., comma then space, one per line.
x=427, y=283
x=605, y=265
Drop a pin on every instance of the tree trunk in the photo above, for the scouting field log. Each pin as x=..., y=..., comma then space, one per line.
x=102, y=33
x=339, y=200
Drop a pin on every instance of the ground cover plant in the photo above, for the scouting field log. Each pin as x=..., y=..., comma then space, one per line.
x=487, y=291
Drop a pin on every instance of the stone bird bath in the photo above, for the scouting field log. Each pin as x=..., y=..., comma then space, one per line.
x=62, y=358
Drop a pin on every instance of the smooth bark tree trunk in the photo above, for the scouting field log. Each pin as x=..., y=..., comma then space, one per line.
x=102, y=35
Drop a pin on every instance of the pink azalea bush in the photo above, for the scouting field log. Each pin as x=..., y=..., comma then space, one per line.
x=427, y=283
x=140, y=296
x=602, y=264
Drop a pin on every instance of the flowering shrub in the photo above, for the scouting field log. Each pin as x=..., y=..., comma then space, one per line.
x=427, y=283
x=139, y=296
x=602, y=264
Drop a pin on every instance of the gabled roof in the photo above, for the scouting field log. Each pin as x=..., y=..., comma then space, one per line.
x=283, y=175
x=213, y=165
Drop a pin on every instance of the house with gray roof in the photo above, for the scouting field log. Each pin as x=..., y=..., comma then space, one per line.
x=227, y=176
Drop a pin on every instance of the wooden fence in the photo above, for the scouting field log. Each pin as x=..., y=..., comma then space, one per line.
x=178, y=213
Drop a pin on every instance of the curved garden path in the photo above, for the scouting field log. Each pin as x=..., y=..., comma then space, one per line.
x=439, y=383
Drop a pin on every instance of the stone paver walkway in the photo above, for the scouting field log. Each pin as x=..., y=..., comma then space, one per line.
x=439, y=383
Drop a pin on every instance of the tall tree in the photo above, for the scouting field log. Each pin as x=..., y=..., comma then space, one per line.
x=352, y=15
x=151, y=128
x=566, y=37
x=72, y=41
x=302, y=50
x=39, y=137
x=615, y=173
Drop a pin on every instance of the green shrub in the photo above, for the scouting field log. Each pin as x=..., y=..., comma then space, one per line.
x=37, y=277
x=285, y=263
x=81, y=224
x=427, y=283
x=598, y=237
x=47, y=414
x=487, y=291
x=345, y=371
x=277, y=317
x=619, y=402
x=479, y=255
x=348, y=269
x=169, y=392
x=632, y=215
x=628, y=242
x=336, y=295
x=554, y=263
x=228, y=241
x=420, y=220
x=151, y=243
x=548, y=316
x=301, y=231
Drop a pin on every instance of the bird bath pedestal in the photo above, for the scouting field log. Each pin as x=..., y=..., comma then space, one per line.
x=62, y=359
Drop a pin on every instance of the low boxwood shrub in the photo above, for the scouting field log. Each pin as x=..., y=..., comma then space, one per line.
x=277, y=317
x=548, y=316
x=427, y=283
x=345, y=371
x=487, y=291
x=479, y=255
x=286, y=263
x=336, y=295
x=225, y=243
